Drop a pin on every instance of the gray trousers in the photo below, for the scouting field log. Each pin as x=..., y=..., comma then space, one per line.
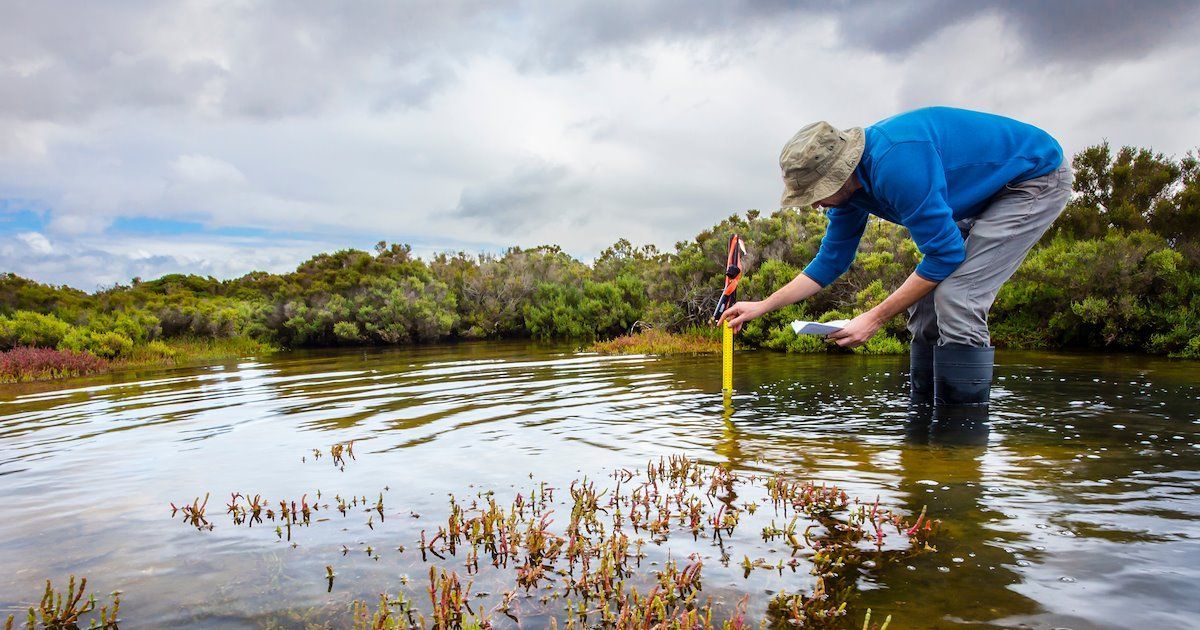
x=997, y=240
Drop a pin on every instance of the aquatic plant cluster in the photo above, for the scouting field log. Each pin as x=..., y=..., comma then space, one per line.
x=59, y=611
x=1120, y=269
x=584, y=567
x=338, y=452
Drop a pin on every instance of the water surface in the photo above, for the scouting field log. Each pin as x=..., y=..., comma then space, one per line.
x=1074, y=506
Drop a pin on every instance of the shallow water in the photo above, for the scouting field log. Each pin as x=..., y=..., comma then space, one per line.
x=1076, y=505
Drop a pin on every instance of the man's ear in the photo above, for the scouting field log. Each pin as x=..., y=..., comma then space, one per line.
x=854, y=182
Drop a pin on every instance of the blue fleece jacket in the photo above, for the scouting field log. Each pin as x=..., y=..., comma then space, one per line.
x=926, y=169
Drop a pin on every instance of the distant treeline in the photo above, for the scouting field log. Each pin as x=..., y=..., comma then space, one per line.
x=1120, y=270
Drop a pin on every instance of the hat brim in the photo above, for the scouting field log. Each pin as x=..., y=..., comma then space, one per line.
x=844, y=164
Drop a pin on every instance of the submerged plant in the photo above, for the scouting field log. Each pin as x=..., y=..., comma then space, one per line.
x=591, y=562
x=194, y=514
x=389, y=614
x=59, y=611
x=340, y=451
x=580, y=564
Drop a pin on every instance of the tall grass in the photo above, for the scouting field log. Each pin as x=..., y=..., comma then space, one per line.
x=655, y=341
x=182, y=349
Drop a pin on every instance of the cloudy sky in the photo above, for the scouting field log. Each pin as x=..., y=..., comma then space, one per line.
x=144, y=137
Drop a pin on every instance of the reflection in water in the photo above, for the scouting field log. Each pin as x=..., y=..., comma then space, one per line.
x=728, y=446
x=943, y=470
x=960, y=425
x=1074, y=503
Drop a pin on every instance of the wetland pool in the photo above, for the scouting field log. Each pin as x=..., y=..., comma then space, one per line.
x=1077, y=504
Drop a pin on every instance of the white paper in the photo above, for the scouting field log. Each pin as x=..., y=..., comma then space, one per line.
x=818, y=328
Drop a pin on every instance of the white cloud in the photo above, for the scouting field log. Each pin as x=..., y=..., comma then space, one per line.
x=36, y=242
x=93, y=262
x=203, y=169
x=77, y=224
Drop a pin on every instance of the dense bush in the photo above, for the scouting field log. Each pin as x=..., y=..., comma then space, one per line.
x=27, y=328
x=1120, y=269
x=108, y=344
x=586, y=311
x=378, y=310
x=495, y=293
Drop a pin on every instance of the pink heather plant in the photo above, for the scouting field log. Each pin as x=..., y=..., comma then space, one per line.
x=30, y=364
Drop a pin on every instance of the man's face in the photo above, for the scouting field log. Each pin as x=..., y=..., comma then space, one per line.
x=838, y=198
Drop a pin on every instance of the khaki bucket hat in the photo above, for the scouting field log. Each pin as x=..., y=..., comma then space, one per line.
x=817, y=161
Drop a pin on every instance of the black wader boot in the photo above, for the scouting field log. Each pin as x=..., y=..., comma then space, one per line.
x=962, y=375
x=962, y=389
x=920, y=372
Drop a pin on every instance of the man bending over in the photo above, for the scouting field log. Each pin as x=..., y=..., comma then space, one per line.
x=975, y=191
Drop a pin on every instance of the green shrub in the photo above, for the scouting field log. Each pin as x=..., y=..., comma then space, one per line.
x=759, y=331
x=160, y=349
x=786, y=340
x=664, y=315
x=882, y=343
x=1126, y=291
x=138, y=325
x=108, y=345
x=595, y=309
x=347, y=331
x=1190, y=351
x=26, y=328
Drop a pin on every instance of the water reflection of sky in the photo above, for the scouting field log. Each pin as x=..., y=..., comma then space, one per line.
x=1074, y=504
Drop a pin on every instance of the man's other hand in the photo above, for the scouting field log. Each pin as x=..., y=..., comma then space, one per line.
x=740, y=313
x=857, y=332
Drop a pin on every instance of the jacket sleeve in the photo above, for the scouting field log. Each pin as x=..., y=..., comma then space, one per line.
x=910, y=178
x=838, y=246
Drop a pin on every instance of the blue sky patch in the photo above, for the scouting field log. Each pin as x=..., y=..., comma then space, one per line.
x=174, y=227
x=21, y=215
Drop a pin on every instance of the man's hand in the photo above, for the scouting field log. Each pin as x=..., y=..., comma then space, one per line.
x=863, y=327
x=741, y=313
x=857, y=332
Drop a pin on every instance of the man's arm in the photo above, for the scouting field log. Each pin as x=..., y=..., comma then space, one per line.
x=863, y=327
x=839, y=245
x=798, y=289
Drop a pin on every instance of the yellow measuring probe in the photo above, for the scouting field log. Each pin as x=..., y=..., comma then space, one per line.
x=733, y=273
x=726, y=357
